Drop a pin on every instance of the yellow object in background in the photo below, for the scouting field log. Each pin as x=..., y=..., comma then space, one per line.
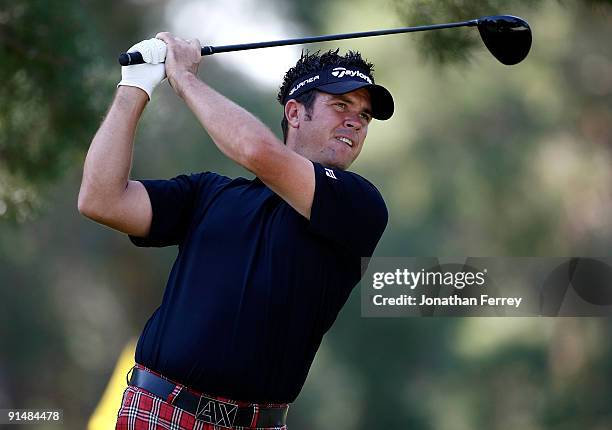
x=105, y=414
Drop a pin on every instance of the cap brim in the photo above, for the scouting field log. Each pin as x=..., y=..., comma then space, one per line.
x=380, y=97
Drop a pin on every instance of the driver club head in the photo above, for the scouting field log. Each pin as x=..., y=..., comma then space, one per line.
x=507, y=37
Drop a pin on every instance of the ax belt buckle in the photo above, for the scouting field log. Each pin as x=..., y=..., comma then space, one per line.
x=216, y=412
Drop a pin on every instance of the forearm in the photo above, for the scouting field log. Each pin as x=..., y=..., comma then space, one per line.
x=108, y=162
x=235, y=131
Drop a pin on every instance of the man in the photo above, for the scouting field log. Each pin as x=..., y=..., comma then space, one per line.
x=264, y=265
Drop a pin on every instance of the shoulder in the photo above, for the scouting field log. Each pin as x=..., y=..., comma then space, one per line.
x=345, y=203
x=349, y=185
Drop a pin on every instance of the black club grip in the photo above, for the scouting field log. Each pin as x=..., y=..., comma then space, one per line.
x=131, y=58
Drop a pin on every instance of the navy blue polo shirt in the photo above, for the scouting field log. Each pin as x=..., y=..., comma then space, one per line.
x=255, y=285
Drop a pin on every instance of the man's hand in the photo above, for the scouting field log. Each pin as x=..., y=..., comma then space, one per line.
x=146, y=76
x=182, y=59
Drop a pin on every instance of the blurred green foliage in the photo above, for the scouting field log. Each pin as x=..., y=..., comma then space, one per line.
x=53, y=89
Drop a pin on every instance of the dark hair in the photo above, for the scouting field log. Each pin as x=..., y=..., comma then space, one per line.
x=313, y=62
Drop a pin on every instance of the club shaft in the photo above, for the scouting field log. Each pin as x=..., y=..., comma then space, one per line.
x=127, y=59
x=209, y=50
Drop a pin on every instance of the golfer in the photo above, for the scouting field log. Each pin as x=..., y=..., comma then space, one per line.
x=264, y=265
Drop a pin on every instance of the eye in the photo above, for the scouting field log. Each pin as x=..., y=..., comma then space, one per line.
x=366, y=116
x=340, y=105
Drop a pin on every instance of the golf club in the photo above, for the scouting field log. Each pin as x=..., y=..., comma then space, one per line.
x=507, y=37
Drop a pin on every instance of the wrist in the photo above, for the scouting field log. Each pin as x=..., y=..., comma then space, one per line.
x=128, y=94
x=181, y=82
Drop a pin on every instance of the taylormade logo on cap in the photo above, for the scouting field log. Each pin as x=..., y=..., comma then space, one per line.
x=304, y=82
x=326, y=77
x=339, y=72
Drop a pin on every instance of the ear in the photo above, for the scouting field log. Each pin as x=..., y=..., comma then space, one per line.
x=292, y=113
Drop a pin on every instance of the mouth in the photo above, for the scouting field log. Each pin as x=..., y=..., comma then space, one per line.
x=346, y=140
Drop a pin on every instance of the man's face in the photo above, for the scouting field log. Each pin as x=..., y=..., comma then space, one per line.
x=334, y=132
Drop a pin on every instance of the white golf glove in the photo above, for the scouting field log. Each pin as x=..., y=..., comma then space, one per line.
x=146, y=76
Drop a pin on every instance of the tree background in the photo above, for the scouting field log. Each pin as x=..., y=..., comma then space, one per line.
x=479, y=159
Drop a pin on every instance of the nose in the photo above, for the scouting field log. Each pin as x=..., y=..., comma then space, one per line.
x=353, y=121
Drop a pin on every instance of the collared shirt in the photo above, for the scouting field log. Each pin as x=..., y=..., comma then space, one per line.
x=255, y=285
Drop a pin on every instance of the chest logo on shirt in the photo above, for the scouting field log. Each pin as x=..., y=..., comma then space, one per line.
x=216, y=412
x=330, y=173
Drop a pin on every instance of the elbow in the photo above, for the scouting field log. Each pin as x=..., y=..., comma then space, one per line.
x=88, y=203
x=90, y=208
x=85, y=199
x=96, y=202
x=84, y=204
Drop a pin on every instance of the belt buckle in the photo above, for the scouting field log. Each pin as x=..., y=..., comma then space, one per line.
x=216, y=412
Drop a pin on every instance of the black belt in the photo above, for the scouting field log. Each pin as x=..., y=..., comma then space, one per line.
x=208, y=409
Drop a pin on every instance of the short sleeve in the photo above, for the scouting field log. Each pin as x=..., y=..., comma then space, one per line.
x=174, y=202
x=348, y=210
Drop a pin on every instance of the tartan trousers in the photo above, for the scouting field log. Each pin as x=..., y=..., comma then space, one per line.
x=141, y=410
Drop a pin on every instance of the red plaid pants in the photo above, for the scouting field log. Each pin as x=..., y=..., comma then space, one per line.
x=141, y=410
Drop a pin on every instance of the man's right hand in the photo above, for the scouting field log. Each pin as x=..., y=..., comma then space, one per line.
x=148, y=75
x=182, y=60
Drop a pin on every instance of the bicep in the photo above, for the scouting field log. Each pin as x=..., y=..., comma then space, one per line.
x=287, y=173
